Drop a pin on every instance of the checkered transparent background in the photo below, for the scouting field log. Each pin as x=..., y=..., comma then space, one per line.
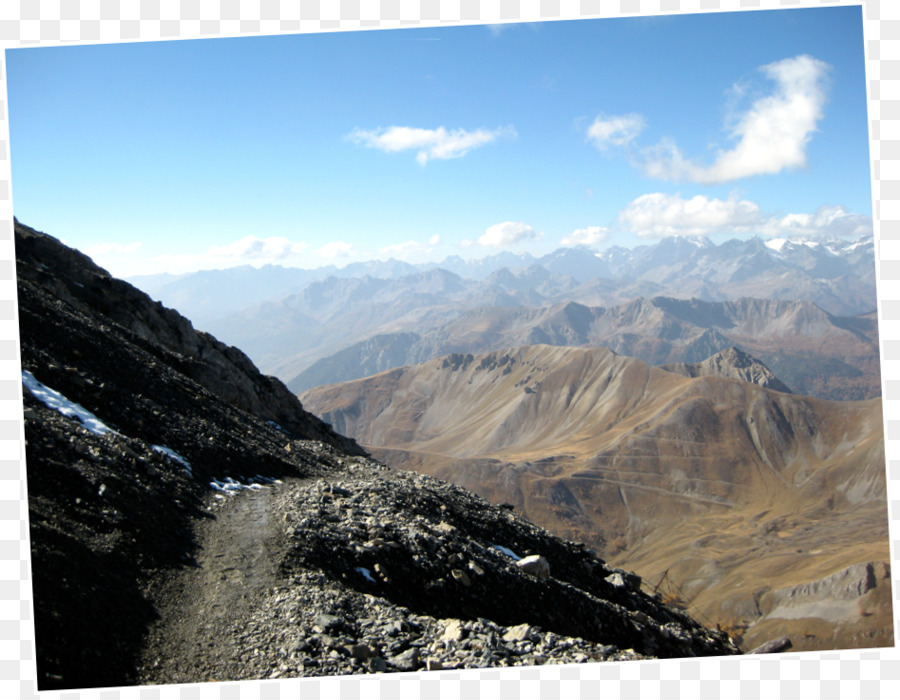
x=850, y=674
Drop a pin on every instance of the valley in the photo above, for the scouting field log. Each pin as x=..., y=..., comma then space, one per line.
x=619, y=398
x=735, y=492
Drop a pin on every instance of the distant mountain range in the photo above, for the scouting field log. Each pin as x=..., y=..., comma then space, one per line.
x=811, y=351
x=755, y=501
x=287, y=320
x=826, y=270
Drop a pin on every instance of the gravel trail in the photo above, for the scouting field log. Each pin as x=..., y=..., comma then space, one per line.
x=202, y=606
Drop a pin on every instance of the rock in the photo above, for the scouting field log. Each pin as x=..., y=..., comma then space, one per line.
x=616, y=579
x=462, y=577
x=453, y=631
x=407, y=661
x=326, y=623
x=518, y=633
x=361, y=652
x=535, y=565
x=773, y=646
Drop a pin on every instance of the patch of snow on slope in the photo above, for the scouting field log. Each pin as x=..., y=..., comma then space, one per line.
x=53, y=399
x=366, y=573
x=231, y=486
x=168, y=451
x=508, y=552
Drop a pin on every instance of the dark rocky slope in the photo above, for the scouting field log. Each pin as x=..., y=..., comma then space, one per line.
x=363, y=568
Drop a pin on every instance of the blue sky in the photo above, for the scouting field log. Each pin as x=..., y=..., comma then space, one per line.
x=420, y=143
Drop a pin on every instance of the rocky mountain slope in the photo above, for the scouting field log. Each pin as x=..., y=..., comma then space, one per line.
x=811, y=351
x=734, y=364
x=735, y=493
x=189, y=521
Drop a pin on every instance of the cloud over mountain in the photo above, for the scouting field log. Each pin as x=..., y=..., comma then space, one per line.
x=590, y=235
x=508, y=233
x=659, y=215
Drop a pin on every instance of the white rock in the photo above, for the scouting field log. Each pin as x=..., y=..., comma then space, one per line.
x=535, y=565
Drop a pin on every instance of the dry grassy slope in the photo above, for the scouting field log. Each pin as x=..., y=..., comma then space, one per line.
x=734, y=489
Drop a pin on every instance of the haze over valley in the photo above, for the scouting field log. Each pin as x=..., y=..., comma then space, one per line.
x=679, y=300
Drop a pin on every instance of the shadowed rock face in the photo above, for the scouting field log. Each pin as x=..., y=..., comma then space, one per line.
x=51, y=275
x=120, y=500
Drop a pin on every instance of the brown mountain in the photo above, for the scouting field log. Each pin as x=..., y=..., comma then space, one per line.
x=740, y=498
x=732, y=363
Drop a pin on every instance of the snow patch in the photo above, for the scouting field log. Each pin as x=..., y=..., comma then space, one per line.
x=508, y=552
x=53, y=399
x=366, y=573
x=231, y=486
x=169, y=452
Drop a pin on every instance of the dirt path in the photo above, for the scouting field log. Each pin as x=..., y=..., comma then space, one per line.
x=202, y=606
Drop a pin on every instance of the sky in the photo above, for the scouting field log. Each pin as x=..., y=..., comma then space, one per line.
x=420, y=143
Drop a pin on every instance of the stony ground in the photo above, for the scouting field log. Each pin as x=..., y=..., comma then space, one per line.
x=369, y=570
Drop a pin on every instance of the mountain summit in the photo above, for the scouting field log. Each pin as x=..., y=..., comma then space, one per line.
x=189, y=521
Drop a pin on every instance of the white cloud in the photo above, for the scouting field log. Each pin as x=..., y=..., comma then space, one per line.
x=508, y=233
x=411, y=251
x=616, y=131
x=251, y=249
x=591, y=235
x=658, y=215
x=826, y=222
x=336, y=249
x=103, y=249
x=440, y=143
x=770, y=136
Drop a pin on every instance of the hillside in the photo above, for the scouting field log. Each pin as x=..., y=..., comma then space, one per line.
x=734, y=492
x=190, y=521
